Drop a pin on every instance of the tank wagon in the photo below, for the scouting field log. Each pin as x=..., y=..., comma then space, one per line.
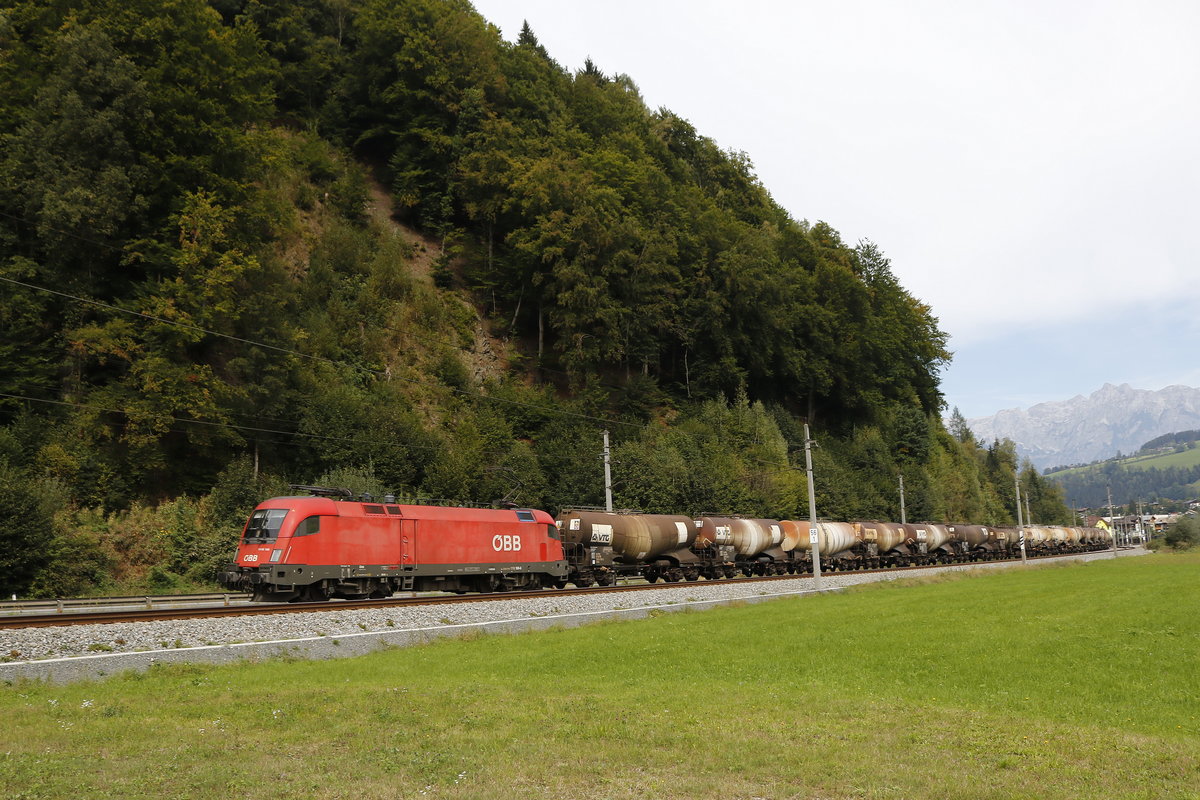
x=332, y=544
x=602, y=545
x=749, y=546
x=839, y=544
x=976, y=542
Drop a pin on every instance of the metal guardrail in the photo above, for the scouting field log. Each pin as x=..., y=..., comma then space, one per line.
x=62, y=605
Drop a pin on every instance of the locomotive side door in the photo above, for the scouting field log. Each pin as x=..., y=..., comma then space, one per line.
x=408, y=544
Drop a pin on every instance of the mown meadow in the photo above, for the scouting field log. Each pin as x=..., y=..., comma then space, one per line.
x=1072, y=682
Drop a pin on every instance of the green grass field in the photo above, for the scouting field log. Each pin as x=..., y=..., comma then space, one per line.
x=1054, y=682
x=1184, y=458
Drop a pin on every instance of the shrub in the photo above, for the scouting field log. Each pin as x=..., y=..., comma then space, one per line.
x=1183, y=534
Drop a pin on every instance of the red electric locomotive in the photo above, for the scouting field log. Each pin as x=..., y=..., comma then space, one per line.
x=314, y=548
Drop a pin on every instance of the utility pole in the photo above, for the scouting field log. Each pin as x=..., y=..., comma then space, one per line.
x=903, y=519
x=607, y=476
x=1020, y=522
x=1112, y=521
x=813, y=537
x=1028, y=513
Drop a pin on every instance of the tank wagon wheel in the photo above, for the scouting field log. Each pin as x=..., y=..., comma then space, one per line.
x=607, y=578
x=651, y=575
x=673, y=575
x=691, y=574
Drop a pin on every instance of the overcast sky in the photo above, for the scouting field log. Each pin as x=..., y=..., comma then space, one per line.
x=1032, y=169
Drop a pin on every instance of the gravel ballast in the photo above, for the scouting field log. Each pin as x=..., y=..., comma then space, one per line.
x=78, y=652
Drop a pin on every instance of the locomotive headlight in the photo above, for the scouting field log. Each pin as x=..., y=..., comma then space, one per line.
x=276, y=555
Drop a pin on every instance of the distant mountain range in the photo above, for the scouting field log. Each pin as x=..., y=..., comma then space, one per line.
x=1085, y=429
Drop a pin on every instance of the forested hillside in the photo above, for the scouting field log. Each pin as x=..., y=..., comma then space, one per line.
x=371, y=243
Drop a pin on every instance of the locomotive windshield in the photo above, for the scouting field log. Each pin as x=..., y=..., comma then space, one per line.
x=264, y=524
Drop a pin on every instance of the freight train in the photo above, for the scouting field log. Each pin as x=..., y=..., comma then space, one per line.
x=330, y=543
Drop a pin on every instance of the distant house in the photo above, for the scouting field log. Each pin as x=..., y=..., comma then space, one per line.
x=1133, y=523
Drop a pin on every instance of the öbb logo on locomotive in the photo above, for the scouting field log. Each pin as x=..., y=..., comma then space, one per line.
x=506, y=543
x=331, y=544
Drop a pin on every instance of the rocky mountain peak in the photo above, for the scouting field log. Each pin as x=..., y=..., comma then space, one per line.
x=1084, y=429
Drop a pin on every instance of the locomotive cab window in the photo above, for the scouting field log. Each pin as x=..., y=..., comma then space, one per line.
x=308, y=527
x=264, y=524
x=525, y=516
x=553, y=532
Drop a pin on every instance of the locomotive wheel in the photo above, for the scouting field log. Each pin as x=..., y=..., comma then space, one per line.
x=314, y=593
x=267, y=596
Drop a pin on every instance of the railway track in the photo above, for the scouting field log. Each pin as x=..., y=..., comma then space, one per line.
x=158, y=608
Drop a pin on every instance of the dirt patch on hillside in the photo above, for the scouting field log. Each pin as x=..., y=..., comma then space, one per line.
x=381, y=209
x=488, y=356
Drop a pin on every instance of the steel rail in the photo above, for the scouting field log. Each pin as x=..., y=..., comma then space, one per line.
x=253, y=609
